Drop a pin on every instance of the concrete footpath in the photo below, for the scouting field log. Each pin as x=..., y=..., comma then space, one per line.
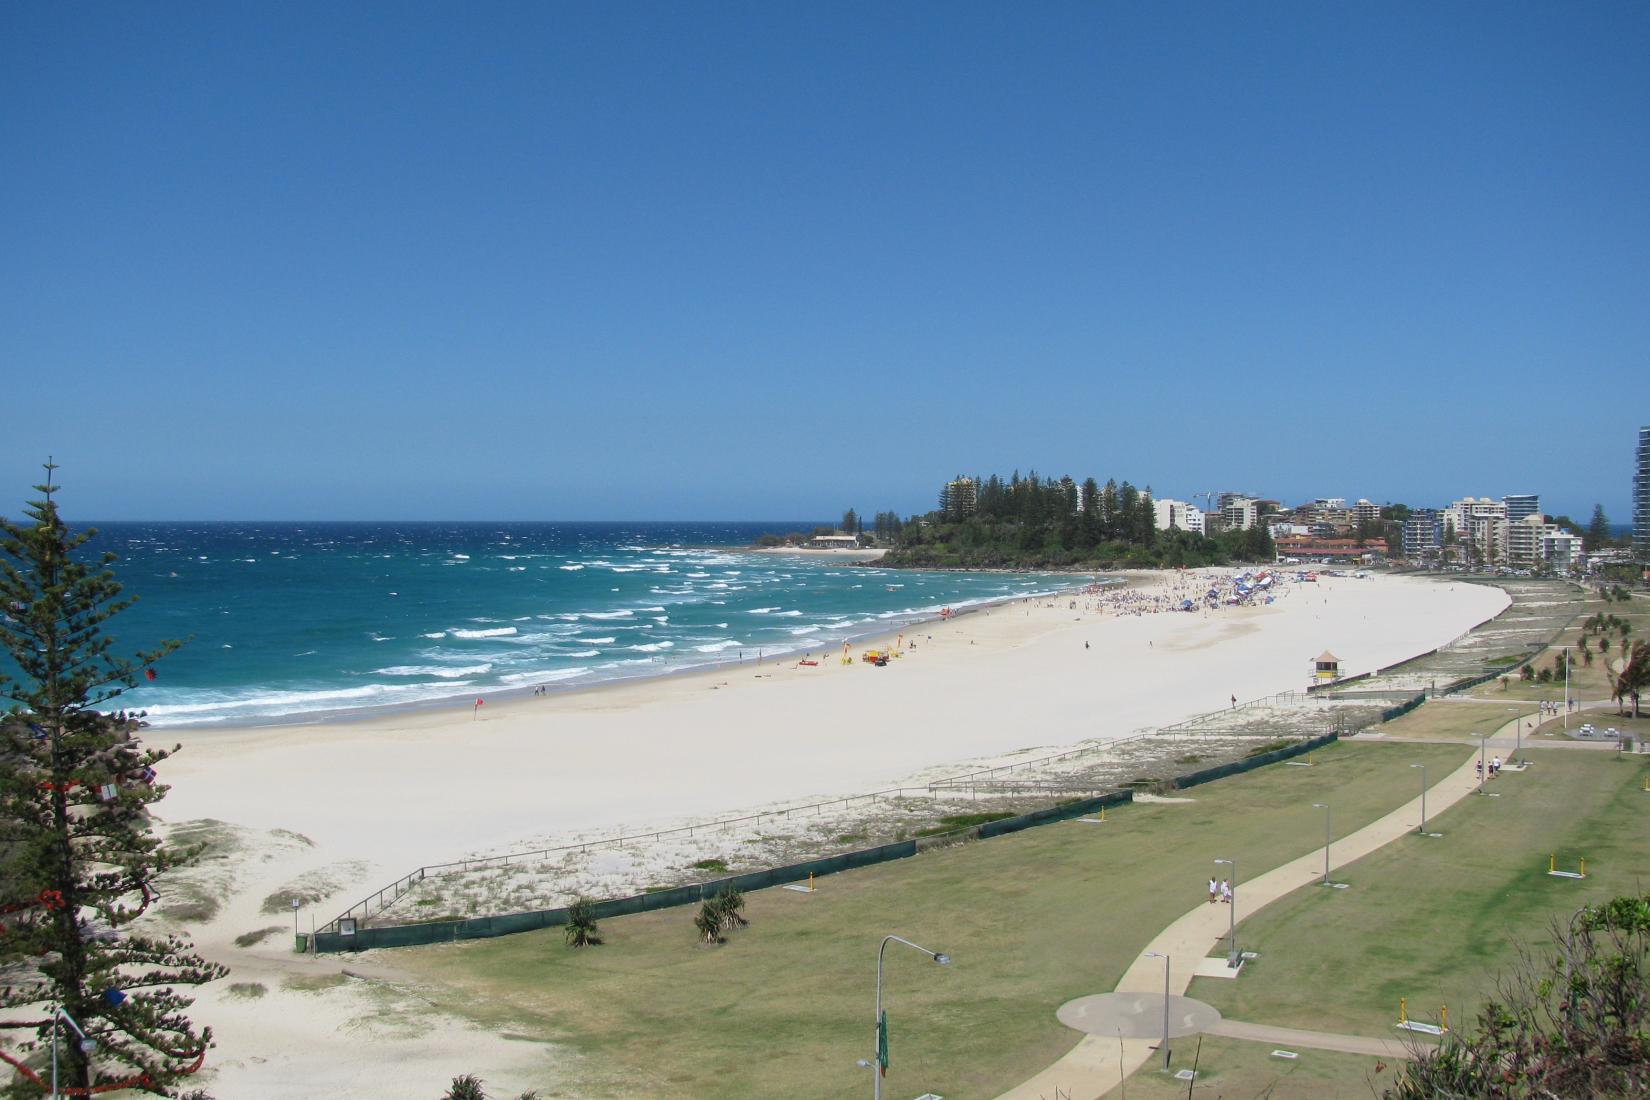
x=1091, y=1068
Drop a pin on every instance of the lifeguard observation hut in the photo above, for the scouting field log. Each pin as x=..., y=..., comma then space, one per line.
x=1326, y=668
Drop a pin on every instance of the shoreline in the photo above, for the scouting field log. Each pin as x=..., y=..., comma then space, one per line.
x=455, y=705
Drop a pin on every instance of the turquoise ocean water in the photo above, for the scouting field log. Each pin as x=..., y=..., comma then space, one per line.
x=295, y=622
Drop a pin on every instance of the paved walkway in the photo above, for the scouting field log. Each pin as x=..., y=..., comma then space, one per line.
x=1090, y=1069
x=1292, y=1038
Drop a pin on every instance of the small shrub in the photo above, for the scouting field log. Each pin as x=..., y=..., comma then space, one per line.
x=717, y=866
x=581, y=924
x=249, y=991
x=709, y=923
x=248, y=939
x=730, y=904
x=465, y=1087
x=1270, y=746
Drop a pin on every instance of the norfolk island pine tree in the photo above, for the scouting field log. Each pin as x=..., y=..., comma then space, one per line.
x=77, y=848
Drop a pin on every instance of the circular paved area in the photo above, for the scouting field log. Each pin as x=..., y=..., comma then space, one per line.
x=1137, y=1015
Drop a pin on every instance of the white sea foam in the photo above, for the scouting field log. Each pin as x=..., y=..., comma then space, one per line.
x=788, y=615
x=762, y=610
x=717, y=647
x=607, y=614
x=804, y=630
x=497, y=632
x=570, y=568
x=543, y=676
x=592, y=641
x=652, y=647
x=433, y=670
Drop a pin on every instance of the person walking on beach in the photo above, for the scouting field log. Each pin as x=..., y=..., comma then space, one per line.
x=1214, y=891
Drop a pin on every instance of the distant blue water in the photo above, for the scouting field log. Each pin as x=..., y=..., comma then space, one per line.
x=296, y=621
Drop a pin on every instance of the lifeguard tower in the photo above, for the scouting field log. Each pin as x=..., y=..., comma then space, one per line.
x=1326, y=668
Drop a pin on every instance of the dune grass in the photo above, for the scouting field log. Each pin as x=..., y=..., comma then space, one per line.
x=1435, y=920
x=1030, y=920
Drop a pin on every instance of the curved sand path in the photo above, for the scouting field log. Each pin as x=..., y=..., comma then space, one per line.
x=1085, y=1070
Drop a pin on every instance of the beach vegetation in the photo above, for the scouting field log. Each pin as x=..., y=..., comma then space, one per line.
x=953, y=822
x=709, y=922
x=717, y=865
x=1573, y=1021
x=730, y=908
x=1634, y=676
x=582, y=930
x=77, y=785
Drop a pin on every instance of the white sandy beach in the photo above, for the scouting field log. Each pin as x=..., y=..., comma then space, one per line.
x=381, y=796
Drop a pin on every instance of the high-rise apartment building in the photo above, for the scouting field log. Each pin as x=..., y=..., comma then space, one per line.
x=1522, y=505
x=1641, y=498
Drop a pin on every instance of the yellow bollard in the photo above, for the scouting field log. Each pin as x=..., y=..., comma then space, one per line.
x=1403, y=1010
x=1583, y=866
x=1552, y=863
x=1443, y=1017
x=1102, y=813
x=810, y=882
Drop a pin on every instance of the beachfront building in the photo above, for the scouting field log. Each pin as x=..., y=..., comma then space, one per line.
x=959, y=498
x=1171, y=515
x=1641, y=498
x=1312, y=548
x=1560, y=549
x=1521, y=506
x=1423, y=534
x=1477, y=522
x=833, y=542
x=1239, y=513
x=1366, y=513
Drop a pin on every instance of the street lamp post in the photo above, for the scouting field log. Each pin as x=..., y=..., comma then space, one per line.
x=87, y=1043
x=1231, y=935
x=1327, y=818
x=1566, y=650
x=1482, y=741
x=877, y=1066
x=1423, y=829
x=1165, y=958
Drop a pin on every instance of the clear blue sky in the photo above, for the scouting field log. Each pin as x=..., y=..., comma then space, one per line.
x=743, y=261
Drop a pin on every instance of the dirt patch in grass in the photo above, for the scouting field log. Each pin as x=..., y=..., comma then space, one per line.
x=247, y=991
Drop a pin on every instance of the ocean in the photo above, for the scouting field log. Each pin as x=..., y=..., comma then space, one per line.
x=296, y=622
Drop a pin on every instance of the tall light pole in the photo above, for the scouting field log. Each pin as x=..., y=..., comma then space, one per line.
x=1327, y=818
x=87, y=1043
x=1165, y=958
x=1423, y=829
x=1566, y=649
x=1231, y=935
x=880, y=1065
x=1482, y=741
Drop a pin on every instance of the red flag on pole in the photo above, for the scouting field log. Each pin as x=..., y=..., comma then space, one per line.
x=149, y=672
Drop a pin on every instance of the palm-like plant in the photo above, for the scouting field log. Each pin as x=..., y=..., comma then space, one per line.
x=1634, y=676
x=709, y=922
x=466, y=1087
x=730, y=903
x=581, y=924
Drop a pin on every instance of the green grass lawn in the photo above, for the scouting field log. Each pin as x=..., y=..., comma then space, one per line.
x=1450, y=721
x=1436, y=920
x=785, y=1007
x=1236, y=1068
